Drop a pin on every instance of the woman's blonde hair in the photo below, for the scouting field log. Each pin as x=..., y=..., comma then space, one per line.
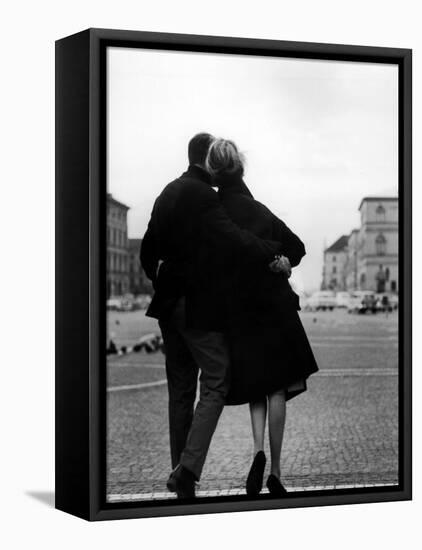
x=224, y=158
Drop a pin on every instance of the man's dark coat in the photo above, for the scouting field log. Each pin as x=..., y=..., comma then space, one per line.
x=199, y=246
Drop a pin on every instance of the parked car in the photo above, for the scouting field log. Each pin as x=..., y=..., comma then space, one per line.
x=114, y=304
x=342, y=299
x=142, y=301
x=121, y=303
x=387, y=302
x=321, y=301
x=362, y=301
x=394, y=301
x=126, y=304
x=369, y=303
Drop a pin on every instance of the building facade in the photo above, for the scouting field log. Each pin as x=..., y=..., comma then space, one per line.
x=335, y=258
x=138, y=281
x=351, y=267
x=367, y=259
x=378, y=262
x=117, y=248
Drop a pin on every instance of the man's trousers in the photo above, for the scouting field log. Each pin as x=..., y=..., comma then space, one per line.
x=189, y=351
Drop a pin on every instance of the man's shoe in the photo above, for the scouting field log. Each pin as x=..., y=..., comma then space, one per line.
x=182, y=482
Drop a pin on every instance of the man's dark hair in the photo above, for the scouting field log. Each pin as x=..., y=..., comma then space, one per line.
x=198, y=148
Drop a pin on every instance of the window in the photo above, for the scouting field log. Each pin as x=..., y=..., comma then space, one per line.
x=380, y=245
x=387, y=274
x=393, y=286
x=380, y=213
x=334, y=269
x=334, y=258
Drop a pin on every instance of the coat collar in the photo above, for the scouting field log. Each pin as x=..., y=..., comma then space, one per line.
x=195, y=171
x=233, y=185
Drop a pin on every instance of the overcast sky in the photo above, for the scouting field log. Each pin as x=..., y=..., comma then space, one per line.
x=318, y=135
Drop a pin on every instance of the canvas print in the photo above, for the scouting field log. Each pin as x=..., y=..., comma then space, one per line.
x=252, y=275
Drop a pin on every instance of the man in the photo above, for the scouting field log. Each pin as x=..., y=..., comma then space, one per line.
x=189, y=303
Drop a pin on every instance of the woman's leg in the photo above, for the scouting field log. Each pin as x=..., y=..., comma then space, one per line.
x=276, y=422
x=258, y=412
x=254, y=481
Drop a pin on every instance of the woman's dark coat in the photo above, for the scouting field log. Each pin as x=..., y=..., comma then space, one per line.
x=269, y=347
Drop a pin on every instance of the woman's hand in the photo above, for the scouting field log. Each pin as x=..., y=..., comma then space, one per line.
x=281, y=264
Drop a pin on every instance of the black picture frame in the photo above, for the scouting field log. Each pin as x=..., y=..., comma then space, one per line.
x=81, y=269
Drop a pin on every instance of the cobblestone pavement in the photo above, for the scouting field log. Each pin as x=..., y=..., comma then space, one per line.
x=342, y=432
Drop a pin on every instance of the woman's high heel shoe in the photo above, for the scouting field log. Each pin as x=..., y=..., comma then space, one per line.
x=256, y=474
x=275, y=487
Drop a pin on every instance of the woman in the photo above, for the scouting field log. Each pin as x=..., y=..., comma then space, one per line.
x=271, y=355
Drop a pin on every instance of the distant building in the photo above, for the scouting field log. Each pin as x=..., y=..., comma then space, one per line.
x=335, y=259
x=378, y=261
x=117, y=248
x=138, y=281
x=351, y=267
x=367, y=259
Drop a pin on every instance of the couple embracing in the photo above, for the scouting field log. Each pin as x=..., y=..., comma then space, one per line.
x=220, y=262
